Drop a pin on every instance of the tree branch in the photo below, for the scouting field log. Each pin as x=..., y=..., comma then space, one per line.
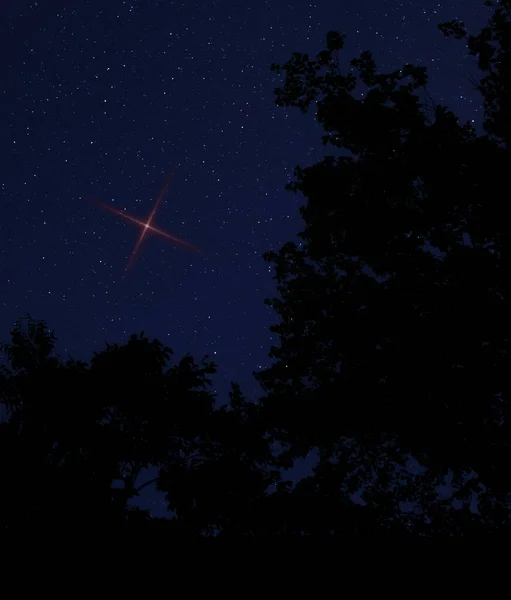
x=137, y=490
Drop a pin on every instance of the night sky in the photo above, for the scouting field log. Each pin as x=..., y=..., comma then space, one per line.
x=109, y=101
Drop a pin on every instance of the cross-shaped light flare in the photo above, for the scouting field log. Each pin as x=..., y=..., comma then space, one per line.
x=147, y=226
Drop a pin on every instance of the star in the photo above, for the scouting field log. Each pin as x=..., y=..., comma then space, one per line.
x=147, y=226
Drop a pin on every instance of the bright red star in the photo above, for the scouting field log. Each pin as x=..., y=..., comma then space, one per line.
x=147, y=226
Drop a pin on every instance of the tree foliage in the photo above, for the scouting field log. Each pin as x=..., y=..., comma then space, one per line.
x=492, y=47
x=74, y=430
x=392, y=308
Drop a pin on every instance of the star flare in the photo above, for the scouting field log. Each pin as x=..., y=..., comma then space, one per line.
x=147, y=226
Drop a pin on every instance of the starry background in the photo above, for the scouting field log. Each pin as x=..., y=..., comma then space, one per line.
x=107, y=100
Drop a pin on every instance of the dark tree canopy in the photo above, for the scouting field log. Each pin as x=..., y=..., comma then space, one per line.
x=73, y=429
x=392, y=333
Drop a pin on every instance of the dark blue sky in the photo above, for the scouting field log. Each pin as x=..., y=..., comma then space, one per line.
x=104, y=99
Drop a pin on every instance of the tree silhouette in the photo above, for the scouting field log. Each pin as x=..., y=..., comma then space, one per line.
x=392, y=309
x=74, y=429
x=492, y=47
